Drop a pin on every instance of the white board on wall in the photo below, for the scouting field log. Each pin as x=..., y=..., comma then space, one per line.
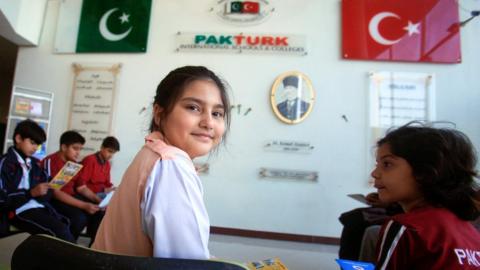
x=93, y=103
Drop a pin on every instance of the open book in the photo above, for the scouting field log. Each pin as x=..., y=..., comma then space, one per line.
x=106, y=200
x=354, y=265
x=268, y=264
x=69, y=170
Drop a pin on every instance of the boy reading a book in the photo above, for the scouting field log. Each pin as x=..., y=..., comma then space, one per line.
x=96, y=168
x=25, y=184
x=74, y=200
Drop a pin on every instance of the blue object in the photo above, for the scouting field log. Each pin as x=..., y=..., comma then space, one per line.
x=354, y=265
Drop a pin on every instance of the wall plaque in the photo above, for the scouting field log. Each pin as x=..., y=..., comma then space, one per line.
x=92, y=104
x=288, y=146
x=288, y=174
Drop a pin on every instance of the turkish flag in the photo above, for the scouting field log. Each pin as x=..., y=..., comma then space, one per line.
x=250, y=7
x=401, y=30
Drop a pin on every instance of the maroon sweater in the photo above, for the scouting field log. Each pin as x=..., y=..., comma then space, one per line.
x=95, y=173
x=428, y=238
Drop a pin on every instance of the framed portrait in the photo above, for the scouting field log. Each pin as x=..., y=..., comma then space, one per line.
x=292, y=97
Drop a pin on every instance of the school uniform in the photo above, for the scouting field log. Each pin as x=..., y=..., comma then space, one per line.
x=79, y=219
x=96, y=173
x=428, y=238
x=158, y=208
x=18, y=176
x=355, y=222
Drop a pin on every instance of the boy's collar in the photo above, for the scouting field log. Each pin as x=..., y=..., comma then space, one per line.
x=100, y=158
x=61, y=156
x=19, y=153
x=21, y=157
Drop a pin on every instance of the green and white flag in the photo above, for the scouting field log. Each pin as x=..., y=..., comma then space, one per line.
x=103, y=26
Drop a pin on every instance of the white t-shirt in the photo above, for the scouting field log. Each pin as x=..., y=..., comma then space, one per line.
x=25, y=184
x=158, y=209
x=173, y=211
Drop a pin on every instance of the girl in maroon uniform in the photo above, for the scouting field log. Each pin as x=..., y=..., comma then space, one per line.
x=430, y=173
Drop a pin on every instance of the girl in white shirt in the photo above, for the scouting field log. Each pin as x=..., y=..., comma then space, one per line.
x=158, y=209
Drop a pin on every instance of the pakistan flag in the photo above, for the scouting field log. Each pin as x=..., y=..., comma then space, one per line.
x=114, y=26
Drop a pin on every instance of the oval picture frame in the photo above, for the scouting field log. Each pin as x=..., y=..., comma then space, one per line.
x=292, y=97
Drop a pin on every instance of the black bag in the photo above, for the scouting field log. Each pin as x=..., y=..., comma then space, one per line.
x=4, y=225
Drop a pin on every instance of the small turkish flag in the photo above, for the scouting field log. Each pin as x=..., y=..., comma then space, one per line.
x=250, y=7
x=401, y=30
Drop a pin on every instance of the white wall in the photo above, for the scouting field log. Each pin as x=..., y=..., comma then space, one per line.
x=22, y=20
x=235, y=196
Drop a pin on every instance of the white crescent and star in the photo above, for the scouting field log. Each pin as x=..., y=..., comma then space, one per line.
x=105, y=32
x=236, y=5
x=124, y=18
x=411, y=28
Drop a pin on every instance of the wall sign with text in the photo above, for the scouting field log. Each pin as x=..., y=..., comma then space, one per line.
x=92, y=104
x=397, y=98
x=289, y=146
x=242, y=42
x=243, y=12
x=288, y=174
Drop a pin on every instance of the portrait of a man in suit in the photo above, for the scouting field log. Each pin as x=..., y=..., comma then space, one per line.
x=292, y=107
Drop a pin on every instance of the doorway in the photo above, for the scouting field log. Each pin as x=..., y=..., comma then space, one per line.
x=8, y=60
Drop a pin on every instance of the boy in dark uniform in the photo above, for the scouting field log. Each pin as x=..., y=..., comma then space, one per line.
x=25, y=185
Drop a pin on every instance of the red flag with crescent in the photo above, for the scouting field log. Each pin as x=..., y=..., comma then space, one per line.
x=250, y=7
x=401, y=30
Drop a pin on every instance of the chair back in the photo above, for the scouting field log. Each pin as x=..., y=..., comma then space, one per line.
x=40, y=252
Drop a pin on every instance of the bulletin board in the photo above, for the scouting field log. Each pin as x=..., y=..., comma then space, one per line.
x=28, y=103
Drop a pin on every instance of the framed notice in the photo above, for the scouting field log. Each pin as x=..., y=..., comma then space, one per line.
x=397, y=98
x=28, y=103
x=92, y=104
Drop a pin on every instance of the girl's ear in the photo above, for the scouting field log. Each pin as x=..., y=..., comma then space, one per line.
x=157, y=114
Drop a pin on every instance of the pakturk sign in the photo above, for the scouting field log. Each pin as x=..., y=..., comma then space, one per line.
x=242, y=42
